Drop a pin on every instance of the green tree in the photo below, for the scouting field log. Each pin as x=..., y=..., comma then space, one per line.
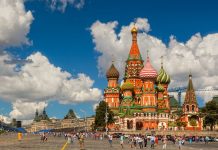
x=210, y=112
x=180, y=124
x=172, y=124
x=70, y=114
x=100, y=115
x=193, y=122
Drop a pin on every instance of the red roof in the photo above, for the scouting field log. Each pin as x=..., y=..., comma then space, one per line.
x=134, y=52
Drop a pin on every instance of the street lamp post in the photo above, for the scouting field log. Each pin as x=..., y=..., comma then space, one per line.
x=85, y=119
x=106, y=119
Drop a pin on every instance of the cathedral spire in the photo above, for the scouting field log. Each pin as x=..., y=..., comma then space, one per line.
x=134, y=32
x=190, y=96
x=134, y=53
x=190, y=84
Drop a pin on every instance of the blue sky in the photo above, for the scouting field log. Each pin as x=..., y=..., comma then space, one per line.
x=65, y=37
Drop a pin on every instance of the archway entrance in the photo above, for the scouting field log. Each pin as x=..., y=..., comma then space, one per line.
x=139, y=125
x=129, y=124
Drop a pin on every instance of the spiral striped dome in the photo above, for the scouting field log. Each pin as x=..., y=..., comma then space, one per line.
x=163, y=77
x=148, y=71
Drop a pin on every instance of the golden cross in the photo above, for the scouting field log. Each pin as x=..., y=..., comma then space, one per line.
x=113, y=58
x=161, y=61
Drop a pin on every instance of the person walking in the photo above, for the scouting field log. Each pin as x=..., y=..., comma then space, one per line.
x=121, y=140
x=180, y=142
x=152, y=140
x=140, y=141
x=134, y=141
x=131, y=141
x=206, y=139
x=145, y=141
x=164, y=139
x=156, y=140
x=69, y=139
x=19, y=136
x=110, y=139
x=81, y=141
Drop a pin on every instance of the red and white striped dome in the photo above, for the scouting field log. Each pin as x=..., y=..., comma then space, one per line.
x=148, y=71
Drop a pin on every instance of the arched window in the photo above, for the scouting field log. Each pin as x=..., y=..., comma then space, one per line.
x=193, y=108
x=187, y=107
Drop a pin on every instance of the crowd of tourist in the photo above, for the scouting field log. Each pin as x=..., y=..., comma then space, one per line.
x=133, y=141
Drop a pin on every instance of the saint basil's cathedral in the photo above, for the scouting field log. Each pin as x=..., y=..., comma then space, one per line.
x=142, y=102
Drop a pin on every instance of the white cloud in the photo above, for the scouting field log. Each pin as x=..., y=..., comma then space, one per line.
x=5, y=119
x=26, y=110
x=40, y=80
x=29, y=83
x=14, y=23
x=61, y=5
x=198, y=54
x=94, y=106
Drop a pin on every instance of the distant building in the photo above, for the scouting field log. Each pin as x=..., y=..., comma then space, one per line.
x=39, y=117
x=42, y=122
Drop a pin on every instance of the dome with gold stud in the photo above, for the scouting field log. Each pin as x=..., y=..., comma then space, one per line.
x=163, y=77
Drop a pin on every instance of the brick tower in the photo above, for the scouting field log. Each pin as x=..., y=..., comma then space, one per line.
x=134, y=65
x=111, y=93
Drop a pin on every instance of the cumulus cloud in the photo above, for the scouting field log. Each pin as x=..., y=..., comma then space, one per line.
x=40, y=80
x=198, y=54
x=26, y=110
x=61, y=5
x=94, y=106
x=15, y=23
x=5, y=119
x=30, y=83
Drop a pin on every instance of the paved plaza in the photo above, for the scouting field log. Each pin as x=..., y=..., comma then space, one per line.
x=32, y=142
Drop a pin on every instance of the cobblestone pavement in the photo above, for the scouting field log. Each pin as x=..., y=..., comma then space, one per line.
x=32, y=142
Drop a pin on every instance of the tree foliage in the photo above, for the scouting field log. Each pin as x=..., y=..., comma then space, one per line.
x=100, y=115
x=210, y=112
x=172, y=124
x=70, y=114
x=180, y=124
x=193, y=122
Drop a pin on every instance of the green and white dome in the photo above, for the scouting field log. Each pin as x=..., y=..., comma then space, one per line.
x=160, y=88
x=163, y=77
x=127, y=86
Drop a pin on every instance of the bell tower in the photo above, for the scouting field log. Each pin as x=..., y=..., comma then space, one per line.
x=134, y=65
x=111, y=93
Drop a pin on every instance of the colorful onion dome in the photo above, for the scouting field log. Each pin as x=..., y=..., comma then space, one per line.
x=160, y=88
x=127, y=86
x=163, y=77
x=148, y=71
x=112, y=72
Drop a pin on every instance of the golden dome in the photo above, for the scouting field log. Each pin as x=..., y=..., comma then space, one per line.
x=134, y=29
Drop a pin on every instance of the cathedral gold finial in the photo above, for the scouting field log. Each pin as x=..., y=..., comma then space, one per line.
x=161, y=61
x=134, y=29
x=113, y=58
x=147, y=53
